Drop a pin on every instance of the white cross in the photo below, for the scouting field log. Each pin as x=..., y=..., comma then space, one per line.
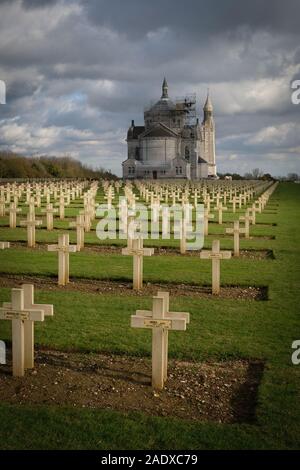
x=220, y=208
x=215, y=255
x=138, y=252
x=80, y=225
x=28, y=290
x=207, y=216
x=19, y=314
x=236, y=231
x=4, y=245
x=247, y=218
x=160, y=320
x=31, y=205
x=2, y=206
x=61, y=206
x=253, y=211
x=87, y=218
x=49, y=211
x=64, y=249
x=13, y=210
x=30, y=223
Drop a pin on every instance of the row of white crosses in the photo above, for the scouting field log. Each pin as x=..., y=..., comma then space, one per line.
x=23, y=312
x=31, y=223
x=249, y=217
x=215, y=191
x=71, y=190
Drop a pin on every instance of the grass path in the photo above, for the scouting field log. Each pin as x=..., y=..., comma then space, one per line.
x=219, y=329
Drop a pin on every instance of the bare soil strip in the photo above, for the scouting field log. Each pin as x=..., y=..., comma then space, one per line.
x=111, y=249
x=124, y=288
x=222, y=392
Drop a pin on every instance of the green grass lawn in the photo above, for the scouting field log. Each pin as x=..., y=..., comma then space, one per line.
x=219, y=329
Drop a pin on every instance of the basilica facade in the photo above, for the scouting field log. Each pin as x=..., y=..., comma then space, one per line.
x=172, y=143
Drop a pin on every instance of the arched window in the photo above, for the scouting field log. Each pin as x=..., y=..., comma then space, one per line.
x=187, y=153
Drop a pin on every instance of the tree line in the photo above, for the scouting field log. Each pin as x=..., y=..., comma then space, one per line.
x=257, y=174
x=18, y=166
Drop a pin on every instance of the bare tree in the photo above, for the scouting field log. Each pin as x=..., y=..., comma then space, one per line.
x=256, y=173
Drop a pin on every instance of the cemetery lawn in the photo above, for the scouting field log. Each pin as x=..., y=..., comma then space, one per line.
x=220, y=330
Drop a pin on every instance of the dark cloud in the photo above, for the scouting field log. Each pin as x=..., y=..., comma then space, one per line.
x=32, y=3
x=194, y=17
x=78, y=72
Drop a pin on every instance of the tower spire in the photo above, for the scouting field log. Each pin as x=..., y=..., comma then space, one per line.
x=165, y=95
x=208, y=104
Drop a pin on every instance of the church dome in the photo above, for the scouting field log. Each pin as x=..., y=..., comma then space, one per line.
x=164, y=104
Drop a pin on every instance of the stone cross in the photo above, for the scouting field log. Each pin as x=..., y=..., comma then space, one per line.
x=80, y=225
x=4, y=245
x=155, y=210
x=234, y=200
x=123, y=214
x=31, y=205
x=109, y=197
x=30, y=223
x=13, y=210
x=236, y=231
x=131, y=226
x=64, y=249
x=87, y=218
x=160, y=320
x=28, y=290
x=2, y=206
x=207, y=201
x=207, y=216
x=49, y=211
x=165, y=218
x=183, y=234
x=61, y=206
x=18, y=314
x=247, y=218
x=253, y=214
x=215, y=255
x=220, y=208
x=138, y=252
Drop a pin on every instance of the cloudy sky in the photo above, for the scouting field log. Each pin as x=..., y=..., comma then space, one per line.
x=78, y=71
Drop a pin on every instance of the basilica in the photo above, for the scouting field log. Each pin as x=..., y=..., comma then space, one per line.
x=172, y=143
